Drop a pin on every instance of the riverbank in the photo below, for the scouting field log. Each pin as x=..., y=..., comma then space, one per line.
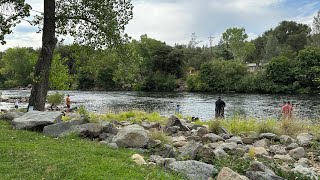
x=250, y=148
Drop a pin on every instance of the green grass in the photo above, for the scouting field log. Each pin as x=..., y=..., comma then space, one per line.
x=30, y=155
x=238, y=125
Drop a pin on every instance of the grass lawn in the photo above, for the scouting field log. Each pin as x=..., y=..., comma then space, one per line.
x=30, y=155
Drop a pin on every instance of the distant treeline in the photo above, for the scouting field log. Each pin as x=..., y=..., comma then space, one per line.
x=287, y=60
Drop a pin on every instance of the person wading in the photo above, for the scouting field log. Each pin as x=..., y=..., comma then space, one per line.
x=287, y=110
x=220, y=104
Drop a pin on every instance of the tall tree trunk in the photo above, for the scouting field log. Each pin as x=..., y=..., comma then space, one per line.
x=42, y=69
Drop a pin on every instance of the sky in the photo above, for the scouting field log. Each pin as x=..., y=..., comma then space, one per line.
x=173, y=21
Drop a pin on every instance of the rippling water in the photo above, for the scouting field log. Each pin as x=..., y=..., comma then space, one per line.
x=194, y=104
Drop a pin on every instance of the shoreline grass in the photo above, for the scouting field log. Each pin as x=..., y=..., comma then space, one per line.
x=30, y=155
x=236, y=124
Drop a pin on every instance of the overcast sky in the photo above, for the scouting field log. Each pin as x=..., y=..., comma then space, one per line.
x=173, y=21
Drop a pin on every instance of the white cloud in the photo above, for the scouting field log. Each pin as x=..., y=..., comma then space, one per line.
x=173, y=21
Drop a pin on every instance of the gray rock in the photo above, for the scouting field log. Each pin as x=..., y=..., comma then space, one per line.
x=302, y=162
x=259, y=175
x=211, y=138
x=189, y=151
x=227, y=174
x=54, y=130
x=111, y=145
x=193, y=169
x=36, y=120
x=132, y=136
x=155, y=125
x=166, y=151
x=171, y=130
x=285, y=157
x=206, y=154
x=109, y=127
x=306, y=171
x=224, y=136
x=237, y=152
x=153, y=143
x=220, y=153
x=106, y=137
x=297, y=153
x=228, y=146
x=292, y=146
x=260, y=151
x=304, y=139
x=248, y=140
x=277, y=149
x=201, y=131
x=174, y=121
x=215, y=145
x=284, y=139
x=258, y=166
x=261, y=143
x=193, y=138
x=88, y=130
x=9, y=116
x=269, y=136
x=235, y=139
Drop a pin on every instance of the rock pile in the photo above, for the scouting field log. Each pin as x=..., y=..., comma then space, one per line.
x=193, y=148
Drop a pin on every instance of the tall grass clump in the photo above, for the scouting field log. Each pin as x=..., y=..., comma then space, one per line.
x=132, y=116
x=160, y=135
x=215, y=126
x=268, y=126
x=237, y=125
x=293, y=127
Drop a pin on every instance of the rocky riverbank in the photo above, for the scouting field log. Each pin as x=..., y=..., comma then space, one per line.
x=188, y=148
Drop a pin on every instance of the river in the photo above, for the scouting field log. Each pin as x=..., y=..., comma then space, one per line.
x=194, y=104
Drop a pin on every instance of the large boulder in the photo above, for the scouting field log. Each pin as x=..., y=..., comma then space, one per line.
x=174, y=121
x=227, y=174
x=9, y=116
x=88, y=130
x=193, y=169
x=166, y=151
x=133, y=136
x=304, y=139
x=189, y=151
x=54, y=130
x=36, y=120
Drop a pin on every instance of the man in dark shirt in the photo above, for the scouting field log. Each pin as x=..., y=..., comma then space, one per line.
x=220, y=108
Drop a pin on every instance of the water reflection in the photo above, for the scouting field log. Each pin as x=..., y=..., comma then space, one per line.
x=194, y=104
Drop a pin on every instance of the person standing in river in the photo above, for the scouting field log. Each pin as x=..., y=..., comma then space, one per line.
x=219, y=110
x=287, y=110
x=68, y=102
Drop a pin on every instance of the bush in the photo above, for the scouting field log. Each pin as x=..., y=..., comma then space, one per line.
x=215, y=126
x=55, y=99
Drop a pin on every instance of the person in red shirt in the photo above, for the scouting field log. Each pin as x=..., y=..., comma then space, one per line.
x=287, y=110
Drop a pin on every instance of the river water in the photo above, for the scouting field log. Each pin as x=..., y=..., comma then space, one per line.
x=194, y=104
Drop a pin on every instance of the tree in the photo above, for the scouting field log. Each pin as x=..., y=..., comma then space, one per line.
x=234, y=40
x=18, y=67
x=271, y=48
x=316, y=24
x=97, y=23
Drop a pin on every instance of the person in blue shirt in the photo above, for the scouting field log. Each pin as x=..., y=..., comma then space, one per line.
x=177, y=111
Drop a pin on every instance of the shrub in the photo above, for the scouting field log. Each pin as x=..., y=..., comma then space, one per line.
x=55, y=99
x=268, y=126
